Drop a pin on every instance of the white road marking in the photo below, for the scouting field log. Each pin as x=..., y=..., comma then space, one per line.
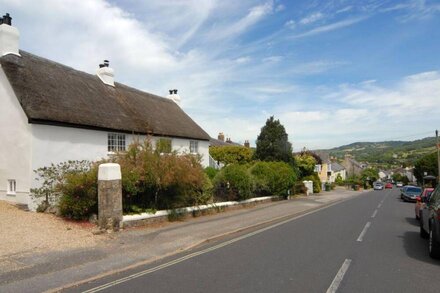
x=192, y=255
x=339, y=277
x=374, y=214
x=361, y=236
x=380, y=204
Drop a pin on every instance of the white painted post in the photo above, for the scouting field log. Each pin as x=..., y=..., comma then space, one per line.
x=109, y=196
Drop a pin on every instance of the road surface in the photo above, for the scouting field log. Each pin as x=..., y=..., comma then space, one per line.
x=369, y=243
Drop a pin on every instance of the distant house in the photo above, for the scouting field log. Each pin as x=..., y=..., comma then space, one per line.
x=329, y=170
x=352, y=166
x=52, y=113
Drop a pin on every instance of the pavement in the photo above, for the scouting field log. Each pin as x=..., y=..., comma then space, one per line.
x=131, y=248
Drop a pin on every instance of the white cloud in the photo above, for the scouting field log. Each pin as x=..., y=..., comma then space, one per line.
x=291, y=24
x=331, y=27
x=254, y=15
x=311, y=18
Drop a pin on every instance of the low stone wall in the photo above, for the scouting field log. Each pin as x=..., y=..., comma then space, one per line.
x=188, y=212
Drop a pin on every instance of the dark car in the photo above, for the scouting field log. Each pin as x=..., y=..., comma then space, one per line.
x=430, y=223
x=410, y=193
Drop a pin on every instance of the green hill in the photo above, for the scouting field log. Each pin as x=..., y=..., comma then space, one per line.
x=386, y=154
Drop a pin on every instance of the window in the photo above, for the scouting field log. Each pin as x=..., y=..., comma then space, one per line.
x=193, y=147
x=116, y=142
x=163, y=145
x=12, y=186
x=318, y=168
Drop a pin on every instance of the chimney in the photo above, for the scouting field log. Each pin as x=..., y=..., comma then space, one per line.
x=228, y=140
x=221, y=136
x=106, y=74
x=174, y=96
x=9, y=36
x=246, y=144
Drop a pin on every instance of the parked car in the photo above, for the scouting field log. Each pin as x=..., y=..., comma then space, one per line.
x=389, y=185
x=378, y=185
x=399, y=184
x=422, y=200
x=410, y=193
x=430, y=223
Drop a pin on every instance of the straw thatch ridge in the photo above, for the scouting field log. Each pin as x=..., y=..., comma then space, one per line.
x=52, y=93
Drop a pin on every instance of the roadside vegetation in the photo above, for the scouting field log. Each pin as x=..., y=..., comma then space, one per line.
x=153, y=180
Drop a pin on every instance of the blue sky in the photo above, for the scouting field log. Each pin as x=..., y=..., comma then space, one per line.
x=333, y=72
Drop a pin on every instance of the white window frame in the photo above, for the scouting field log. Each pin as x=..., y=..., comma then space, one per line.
x=11, y=187
x=193, y=146
x=116, y=142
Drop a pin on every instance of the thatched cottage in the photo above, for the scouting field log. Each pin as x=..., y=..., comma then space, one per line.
x=51, y=113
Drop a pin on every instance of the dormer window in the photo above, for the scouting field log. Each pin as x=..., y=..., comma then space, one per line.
x=116, y=142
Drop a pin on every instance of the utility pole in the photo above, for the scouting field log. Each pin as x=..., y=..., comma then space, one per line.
x=438, y=158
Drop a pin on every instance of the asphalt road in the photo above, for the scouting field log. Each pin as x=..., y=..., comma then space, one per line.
x=369, y=243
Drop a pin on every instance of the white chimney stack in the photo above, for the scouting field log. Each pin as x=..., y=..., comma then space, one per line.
x=106, y=74
x=174, y=96
x=9, y=36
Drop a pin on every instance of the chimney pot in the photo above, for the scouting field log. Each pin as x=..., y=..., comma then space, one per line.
x=7, y=19
x=9, y=37
x=171, y=92
x=106, y=74
x=175, y=91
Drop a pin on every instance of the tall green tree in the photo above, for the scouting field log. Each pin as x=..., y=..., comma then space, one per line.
x=426, y=164
x=272, y=143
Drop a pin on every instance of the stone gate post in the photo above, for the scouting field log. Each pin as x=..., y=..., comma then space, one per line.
x=109, y=196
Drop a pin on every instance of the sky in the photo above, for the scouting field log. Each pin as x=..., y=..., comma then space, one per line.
x=333, y=71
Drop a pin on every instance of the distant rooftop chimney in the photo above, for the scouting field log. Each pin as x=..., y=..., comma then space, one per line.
x=174, y=96
x=221, y=136
x=246, y=144
x=106, y=74
x=9, y=36
x=228, y=140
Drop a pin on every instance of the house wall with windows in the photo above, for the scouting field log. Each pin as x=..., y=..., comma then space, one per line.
x=15, y=146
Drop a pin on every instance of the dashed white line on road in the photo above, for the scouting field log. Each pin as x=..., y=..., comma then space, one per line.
x=374, y=214
x=339, y=277
x=361, y=236
x=380, y=204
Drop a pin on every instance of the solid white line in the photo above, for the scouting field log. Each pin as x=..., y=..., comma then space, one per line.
x=339, y=276
x=361, y=236
x=374, y=214
x=189, y=256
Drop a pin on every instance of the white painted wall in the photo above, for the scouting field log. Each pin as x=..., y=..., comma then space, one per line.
x=15, y=144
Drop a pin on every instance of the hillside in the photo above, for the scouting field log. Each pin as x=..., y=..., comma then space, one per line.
x=387, y=153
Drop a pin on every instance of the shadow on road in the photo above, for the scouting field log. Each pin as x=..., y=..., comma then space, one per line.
x=417, y=247
x=412, y=221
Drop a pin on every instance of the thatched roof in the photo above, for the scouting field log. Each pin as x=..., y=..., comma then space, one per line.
x=52, y=93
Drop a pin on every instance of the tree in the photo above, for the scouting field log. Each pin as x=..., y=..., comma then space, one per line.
x=426, y=164
x=306, y=164
x=272, y=143
x=231, y=154
x=369, y=174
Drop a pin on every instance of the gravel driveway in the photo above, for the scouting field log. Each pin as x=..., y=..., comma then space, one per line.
x=23, y=231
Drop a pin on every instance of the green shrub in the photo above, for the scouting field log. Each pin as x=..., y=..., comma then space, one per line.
x=339, y=181
x=211, y=172
x=79, y=197
x=316, y=182
x=154, y=180
x=272, y=178
x=299, y=188
x=233, y=182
